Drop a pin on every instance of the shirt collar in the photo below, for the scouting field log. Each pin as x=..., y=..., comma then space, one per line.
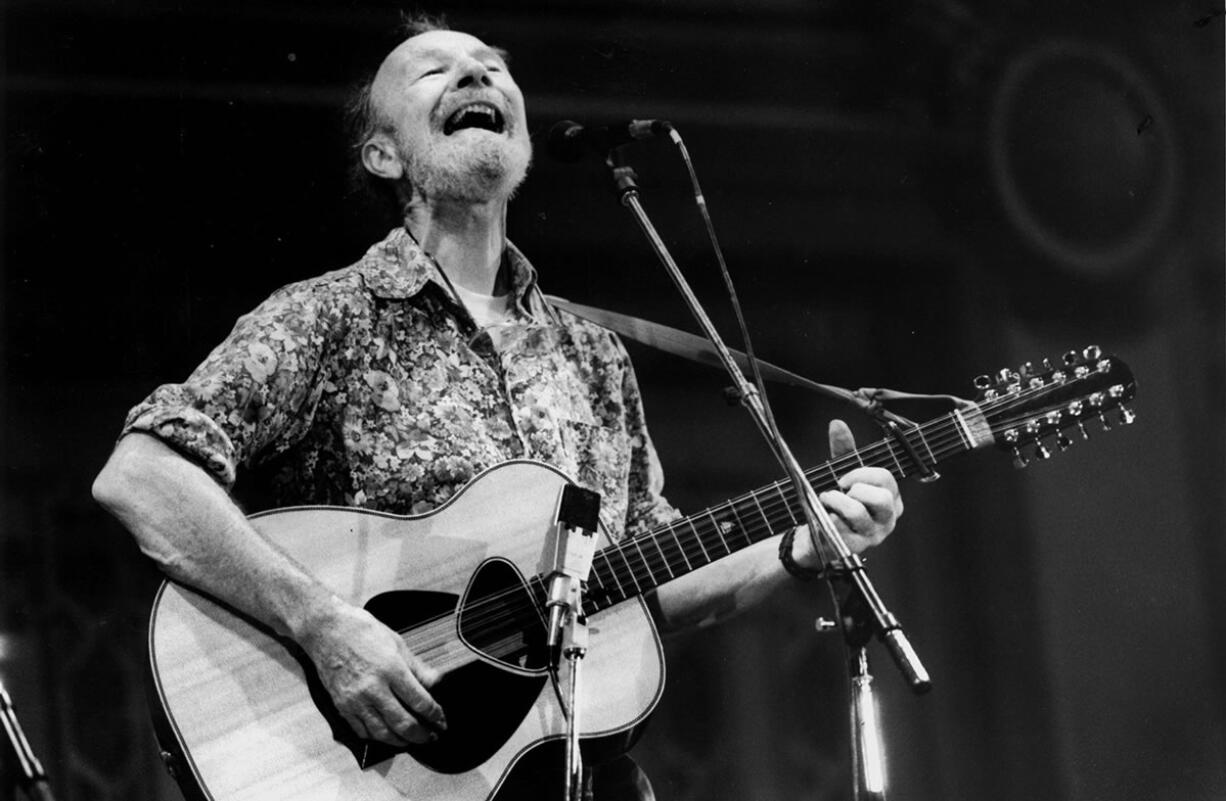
x=397, y=268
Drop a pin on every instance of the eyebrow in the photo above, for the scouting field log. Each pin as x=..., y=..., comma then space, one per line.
x=486, y=50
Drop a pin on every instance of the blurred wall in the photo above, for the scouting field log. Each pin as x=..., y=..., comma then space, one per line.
x=908, y=194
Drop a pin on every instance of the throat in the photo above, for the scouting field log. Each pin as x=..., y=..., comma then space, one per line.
x=468, y=247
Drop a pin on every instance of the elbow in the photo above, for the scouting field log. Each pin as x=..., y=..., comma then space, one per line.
x=114, y=485
x=108, y=487
x=128, y=488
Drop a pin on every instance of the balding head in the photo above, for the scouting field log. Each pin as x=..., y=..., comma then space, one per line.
x=450, y=120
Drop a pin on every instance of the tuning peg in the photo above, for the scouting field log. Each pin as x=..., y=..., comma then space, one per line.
x=1027, y=369
x=1040, y=450
x=1081, y=426
x=1019, y=461
x=1070, y=358
x=1102, y=418
x=1063, y=442
x=1047, y=365
x=1092, y=353
x=982, y=382
x=1127, y=416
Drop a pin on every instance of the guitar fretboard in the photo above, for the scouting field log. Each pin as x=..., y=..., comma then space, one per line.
x=639, y=564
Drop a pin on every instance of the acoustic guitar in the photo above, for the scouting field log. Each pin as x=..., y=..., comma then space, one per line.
x=241, y=716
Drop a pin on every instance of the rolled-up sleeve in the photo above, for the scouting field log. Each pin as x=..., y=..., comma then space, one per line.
x=255, y=394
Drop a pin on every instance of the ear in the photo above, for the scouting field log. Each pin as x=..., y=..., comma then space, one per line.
x=380, y=158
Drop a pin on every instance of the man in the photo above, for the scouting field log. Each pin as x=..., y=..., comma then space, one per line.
x=390, y=384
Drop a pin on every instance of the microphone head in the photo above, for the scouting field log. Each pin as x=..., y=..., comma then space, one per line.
x=565, y=141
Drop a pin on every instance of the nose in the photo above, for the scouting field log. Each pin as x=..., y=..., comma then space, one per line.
x=472, y=73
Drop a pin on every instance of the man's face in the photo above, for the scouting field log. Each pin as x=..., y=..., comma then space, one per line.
x=458, y=116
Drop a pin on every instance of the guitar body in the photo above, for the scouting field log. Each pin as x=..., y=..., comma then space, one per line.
x=243, y=716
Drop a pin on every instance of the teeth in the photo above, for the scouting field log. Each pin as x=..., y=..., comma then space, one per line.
x=477, y=115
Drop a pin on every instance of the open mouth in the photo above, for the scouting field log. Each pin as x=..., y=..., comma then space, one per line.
x=476, y=115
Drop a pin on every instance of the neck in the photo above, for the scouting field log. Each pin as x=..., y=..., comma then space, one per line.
x=466, y=239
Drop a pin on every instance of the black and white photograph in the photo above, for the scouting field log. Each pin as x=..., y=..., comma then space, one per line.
x=637, y=400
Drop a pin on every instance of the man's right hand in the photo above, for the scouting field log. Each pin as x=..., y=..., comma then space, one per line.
x=378, y=685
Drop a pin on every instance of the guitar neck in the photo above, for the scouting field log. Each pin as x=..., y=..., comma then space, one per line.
x=638, y=564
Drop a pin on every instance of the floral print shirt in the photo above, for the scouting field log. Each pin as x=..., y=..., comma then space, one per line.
x=372, y=386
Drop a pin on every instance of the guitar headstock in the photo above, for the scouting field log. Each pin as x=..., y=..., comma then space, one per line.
x=1027, y=405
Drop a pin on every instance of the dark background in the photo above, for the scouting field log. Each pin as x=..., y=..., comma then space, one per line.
x=909, y=194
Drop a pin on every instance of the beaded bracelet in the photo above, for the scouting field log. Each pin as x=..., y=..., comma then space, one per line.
x=790, y=564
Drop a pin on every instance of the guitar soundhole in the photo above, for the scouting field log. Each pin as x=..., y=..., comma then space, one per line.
x=484, y=701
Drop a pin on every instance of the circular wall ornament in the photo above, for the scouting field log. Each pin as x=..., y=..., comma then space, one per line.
x=1082, y=156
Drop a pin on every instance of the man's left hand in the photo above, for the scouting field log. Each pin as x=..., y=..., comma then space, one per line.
x=865, y=508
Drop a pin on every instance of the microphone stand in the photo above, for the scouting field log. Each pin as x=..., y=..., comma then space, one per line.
x=864, y=614
x=567, y=635
x=32, y=779
x=568, y=639
x=574, y=648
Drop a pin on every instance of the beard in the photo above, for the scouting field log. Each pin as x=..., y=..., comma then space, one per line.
x=466, y=167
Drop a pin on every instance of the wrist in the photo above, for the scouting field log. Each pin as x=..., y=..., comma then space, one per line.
x=798, y=556
x=315, y=619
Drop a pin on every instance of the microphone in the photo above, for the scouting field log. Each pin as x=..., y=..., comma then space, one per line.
x=570, y=141
x=574, y=545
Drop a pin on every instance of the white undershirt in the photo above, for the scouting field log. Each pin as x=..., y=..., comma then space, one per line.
x=488, y=311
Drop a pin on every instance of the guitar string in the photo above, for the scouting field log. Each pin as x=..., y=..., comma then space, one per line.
x=428, y=640
x=512, y=641
x=940, y=435
x=427, y=637
x=939, y=439
x=497, y=601
x=771, y=508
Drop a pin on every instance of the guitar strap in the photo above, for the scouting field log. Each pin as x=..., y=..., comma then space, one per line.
x=698, y=349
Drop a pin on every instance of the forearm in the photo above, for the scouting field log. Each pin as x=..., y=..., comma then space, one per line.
x=721, y=589
x=188, y=524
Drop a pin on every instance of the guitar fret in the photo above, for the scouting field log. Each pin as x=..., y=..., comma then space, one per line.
x=670, y=545
x=698, y=539
x=719, y=533
x=787, y=506
x=680, y=547
x=596, y=585
x=663, y=557
x=613, y=573
x=711, y=537
x=622, y=553
x=964, y=431
x=646, y=563
x=890, y=447
x=920, y=433
x=765, y=519
x=740, y=525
